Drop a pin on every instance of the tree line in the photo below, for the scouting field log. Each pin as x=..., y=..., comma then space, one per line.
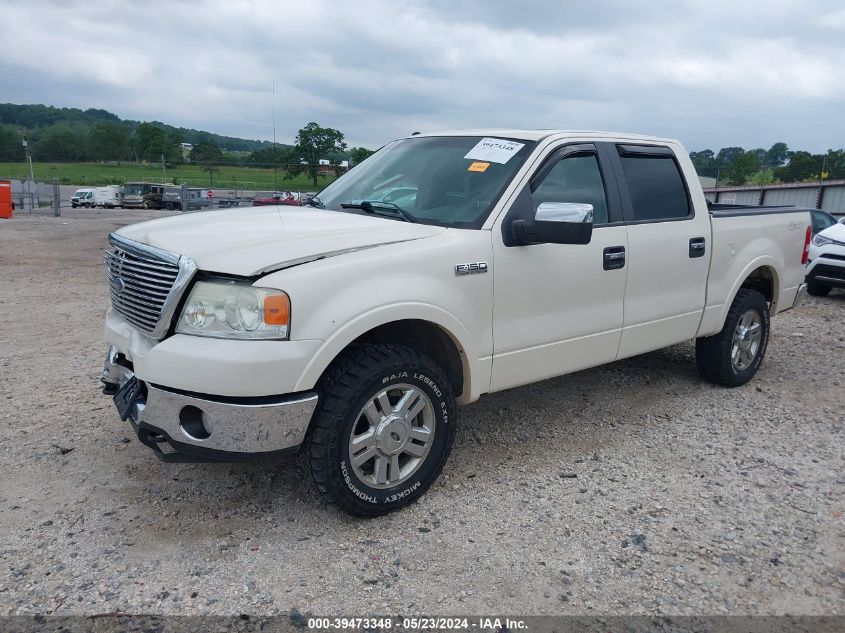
x=95, y=135
x=57, y=124
x=74, y=135
x=738, y=166
x=313, y=144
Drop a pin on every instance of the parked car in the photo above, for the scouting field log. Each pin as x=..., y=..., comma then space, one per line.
x=82, y=198
x=107, y=197
x=821, y=220
x=287, y=198
x=826, y=268
x=351, y=330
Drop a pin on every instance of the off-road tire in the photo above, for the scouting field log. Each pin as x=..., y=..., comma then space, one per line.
x=817, y=290
x=713, y=353
x=351, y=381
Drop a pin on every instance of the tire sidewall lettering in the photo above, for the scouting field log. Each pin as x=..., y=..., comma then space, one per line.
x=436, y=394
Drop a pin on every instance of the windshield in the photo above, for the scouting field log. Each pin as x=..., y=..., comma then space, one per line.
x=135, y=189
x=443, y=180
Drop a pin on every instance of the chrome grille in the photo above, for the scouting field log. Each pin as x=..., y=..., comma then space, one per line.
x=145, y=282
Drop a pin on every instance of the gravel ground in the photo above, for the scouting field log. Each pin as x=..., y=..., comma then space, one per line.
x=631, y=488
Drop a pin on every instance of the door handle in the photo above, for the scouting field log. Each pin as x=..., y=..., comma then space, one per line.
x=614, y=257
x=697, y=247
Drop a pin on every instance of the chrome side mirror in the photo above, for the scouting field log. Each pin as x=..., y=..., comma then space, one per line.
x=556, y=223
x=572, y=212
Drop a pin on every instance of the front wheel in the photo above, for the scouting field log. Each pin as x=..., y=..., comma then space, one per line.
x=382, y=431
x=732, y=357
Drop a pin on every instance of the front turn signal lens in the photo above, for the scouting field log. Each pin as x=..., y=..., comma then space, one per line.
x=277, y=310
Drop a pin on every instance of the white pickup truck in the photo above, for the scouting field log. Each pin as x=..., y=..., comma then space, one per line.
x=444, y=267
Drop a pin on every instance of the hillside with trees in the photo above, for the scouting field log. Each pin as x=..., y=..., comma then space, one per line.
x=71, y=135
x=74, y=135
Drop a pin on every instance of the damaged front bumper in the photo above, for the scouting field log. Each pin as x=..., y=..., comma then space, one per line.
x=182, y=426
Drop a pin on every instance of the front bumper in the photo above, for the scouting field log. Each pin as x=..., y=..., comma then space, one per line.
x=184, y=426
x=827, y=270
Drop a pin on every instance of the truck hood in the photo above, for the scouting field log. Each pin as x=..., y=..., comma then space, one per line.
x=257, y=240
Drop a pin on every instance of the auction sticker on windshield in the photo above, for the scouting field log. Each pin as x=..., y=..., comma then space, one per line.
x=494, y=150
x=478, y=166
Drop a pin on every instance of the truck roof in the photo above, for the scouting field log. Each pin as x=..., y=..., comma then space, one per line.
x=536, y=135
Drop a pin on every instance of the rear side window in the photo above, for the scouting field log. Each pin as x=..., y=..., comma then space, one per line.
x=656, y=187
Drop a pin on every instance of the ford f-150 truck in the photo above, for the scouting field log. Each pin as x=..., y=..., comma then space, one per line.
x=350, y=329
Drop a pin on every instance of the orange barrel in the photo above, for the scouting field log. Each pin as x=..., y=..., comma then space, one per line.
x=6, y=206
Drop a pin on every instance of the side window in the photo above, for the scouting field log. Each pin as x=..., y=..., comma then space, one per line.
x=574, y=179
x=656, y=187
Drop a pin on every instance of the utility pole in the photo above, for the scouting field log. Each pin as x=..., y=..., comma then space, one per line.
x=163, y=171
x=31, y=177
x=274, y=136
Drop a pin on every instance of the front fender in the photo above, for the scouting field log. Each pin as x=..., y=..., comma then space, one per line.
x=476, y=371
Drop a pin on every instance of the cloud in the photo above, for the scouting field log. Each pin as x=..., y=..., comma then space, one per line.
x=714, y=74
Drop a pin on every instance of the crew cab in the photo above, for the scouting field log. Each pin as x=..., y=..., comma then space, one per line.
x=349, y=330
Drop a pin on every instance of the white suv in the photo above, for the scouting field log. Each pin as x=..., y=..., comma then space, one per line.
x=826, y=268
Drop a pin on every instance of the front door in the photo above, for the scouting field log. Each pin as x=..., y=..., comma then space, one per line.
x=558, y=307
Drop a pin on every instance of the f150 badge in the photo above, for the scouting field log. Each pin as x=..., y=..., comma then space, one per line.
x=473, y=268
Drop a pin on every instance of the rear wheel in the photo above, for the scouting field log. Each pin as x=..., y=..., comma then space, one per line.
x=732, y=357
x=817, y=290
x=382, y=431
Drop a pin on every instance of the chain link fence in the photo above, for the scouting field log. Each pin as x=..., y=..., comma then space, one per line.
x=34, y=197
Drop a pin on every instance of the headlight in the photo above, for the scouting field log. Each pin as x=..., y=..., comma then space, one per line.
x=821, y=240
x=229, y=309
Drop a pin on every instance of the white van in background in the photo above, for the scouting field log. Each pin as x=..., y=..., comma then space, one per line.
x=107, y=197
x=82, y=198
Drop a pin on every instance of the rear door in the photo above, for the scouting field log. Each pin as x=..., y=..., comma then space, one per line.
x=668, y=249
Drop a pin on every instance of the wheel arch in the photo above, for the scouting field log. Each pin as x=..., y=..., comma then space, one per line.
x=428, y=329
x=761, y=275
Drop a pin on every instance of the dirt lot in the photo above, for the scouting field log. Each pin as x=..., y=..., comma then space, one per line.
x=632, y=488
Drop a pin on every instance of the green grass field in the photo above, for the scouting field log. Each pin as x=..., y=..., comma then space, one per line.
x=97, y=174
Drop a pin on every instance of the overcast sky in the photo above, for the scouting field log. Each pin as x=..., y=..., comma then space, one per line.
x=714, y=73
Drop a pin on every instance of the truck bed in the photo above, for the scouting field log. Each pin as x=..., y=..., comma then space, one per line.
x=745, y=238
x=718, y=210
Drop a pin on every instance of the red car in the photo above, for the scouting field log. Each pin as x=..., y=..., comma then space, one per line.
x=284, y=197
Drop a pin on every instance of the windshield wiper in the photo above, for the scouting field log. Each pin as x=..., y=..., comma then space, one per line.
x=314, y=201
x=386, y=209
